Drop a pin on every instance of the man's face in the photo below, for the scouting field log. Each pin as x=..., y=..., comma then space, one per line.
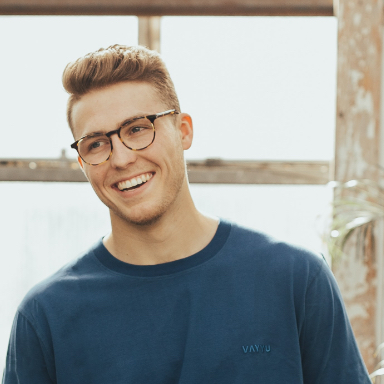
x=161, y=164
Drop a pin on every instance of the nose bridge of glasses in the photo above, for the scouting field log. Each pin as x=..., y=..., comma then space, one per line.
x=110, y=133
x=152, y=118
x=121, y=154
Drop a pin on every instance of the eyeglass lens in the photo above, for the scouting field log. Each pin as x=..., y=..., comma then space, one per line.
x=137, y=134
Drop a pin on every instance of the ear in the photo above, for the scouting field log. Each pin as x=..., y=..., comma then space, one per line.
x=186, y=130
x=80, y=161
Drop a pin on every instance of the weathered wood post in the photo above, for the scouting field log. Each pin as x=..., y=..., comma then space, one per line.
x=149, y=32
x=358, y=156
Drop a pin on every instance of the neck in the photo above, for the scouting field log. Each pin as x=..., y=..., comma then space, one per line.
x=170, y=238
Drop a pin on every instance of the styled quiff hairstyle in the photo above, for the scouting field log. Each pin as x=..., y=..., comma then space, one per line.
x=116, y=64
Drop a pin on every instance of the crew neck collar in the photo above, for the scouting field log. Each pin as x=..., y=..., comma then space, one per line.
x=112, y=263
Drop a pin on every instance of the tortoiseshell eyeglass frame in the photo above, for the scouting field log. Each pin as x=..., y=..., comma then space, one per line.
x=151, y=118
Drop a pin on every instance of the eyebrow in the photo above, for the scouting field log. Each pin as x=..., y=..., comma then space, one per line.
x=132, y=118
x=100, y=133
x=97, y=133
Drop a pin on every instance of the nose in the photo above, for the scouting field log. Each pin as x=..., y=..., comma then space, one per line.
x=121, y=155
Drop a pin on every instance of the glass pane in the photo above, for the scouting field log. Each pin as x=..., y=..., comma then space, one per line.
x=272, y=78
x=52, y=223
x=290, y=213
x=46, y=226
x=35, y=52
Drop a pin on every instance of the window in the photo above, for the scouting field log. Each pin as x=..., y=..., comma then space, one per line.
x=257, y=88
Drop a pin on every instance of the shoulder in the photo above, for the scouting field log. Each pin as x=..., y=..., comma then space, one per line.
x=273, y=255
x=57, y=287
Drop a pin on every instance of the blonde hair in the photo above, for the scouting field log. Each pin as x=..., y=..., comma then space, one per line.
x=115, y=64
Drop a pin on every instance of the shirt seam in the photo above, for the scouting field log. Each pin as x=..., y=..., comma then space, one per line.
x=167, y=276
x=317, y=273
x=41, y=342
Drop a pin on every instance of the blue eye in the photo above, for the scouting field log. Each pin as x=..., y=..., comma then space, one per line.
x=97, y=144
x=134, y=130
x=94, y=144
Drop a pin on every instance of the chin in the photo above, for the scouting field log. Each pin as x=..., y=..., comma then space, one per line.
x=149, y=212
x=142, y=221
x=143, y=218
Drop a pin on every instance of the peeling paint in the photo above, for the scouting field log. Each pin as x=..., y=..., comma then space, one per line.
x=357, y=18
x=342, y=155
x=354, y=278
x=357, y=149
x=363, y=102
x=357, y=310
x=358, y=158
x=371, y=132
x=355, y=76
x=342, y=60
x=340, y=18
x=362, y=63
x=372, y=49
x=366, y=344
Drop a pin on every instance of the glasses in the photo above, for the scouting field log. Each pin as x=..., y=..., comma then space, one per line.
x=136, y=134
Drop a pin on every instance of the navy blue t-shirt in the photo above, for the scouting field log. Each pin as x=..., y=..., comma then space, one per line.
x=245, y=309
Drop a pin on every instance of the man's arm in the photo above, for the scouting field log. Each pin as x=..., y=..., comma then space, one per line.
x=329, y=350
x=27, y=358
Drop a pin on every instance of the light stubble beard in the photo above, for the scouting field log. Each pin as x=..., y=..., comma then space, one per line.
x=158, y=212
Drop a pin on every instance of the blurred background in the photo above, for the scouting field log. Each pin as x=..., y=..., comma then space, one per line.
x=273, y=77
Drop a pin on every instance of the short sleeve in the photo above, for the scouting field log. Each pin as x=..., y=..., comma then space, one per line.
x=329, y=350
x=26, y=358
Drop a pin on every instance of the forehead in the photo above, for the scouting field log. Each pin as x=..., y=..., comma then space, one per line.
x=105, y=109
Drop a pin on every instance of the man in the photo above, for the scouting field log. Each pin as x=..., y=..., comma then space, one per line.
x=170, y=295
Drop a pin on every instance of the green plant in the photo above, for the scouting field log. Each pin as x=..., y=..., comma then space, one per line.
x=357, y=205
x=379, y=369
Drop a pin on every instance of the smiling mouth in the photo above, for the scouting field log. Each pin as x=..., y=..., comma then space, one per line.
x=134, y=182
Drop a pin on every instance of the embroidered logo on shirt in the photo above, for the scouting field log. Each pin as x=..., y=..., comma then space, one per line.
x=256, y=348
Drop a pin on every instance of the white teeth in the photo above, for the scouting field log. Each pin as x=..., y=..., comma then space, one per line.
x=134, y=181
x=124, y=185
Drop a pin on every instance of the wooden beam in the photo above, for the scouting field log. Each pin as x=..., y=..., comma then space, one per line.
x=357, y=156
x=257, y=172
x=168, y=7
x=214, y=171
x=149, y=32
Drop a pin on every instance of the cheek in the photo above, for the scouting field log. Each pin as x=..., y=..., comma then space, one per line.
x=166, y=150
x=95, y=177
x=175, y=146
